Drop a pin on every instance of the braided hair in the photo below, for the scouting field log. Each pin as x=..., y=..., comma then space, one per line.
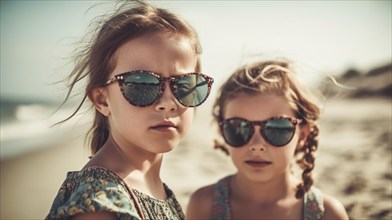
x=307, y=162
x=276, y=77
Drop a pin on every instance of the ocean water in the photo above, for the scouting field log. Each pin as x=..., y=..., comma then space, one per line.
x=28, y=125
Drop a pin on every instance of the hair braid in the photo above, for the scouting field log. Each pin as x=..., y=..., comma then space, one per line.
x=276, y=77
x=307, y=162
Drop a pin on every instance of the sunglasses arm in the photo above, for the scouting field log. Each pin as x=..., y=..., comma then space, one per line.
x=110, y=81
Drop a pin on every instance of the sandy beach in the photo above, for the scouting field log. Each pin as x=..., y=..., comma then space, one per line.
x=353, y=163
x=342, y=49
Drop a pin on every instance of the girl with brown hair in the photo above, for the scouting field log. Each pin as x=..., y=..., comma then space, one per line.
x=143, y=78
x=267, y=120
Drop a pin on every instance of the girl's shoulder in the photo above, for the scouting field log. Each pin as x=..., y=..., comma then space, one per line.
x=210, y=192
x=200, y=203
x=334, y=209
x=94, y=189
x=319, y=205
x=204, y=200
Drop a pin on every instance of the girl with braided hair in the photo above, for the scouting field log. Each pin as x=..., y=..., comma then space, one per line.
x=267, y=119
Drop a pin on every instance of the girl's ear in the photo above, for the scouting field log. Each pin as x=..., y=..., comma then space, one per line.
x=98, y=97
x=303, y=136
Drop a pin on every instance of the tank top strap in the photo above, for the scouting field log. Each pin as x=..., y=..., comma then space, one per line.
x=221, y=200
x=313, y=205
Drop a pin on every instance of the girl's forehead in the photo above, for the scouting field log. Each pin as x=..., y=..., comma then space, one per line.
x=173, y=39
x=157, y=52
x=175, y=44
x=170, y=42
x=257, y=107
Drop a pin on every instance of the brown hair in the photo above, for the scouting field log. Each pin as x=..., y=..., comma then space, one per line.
x=94, y=60
x=276, y=77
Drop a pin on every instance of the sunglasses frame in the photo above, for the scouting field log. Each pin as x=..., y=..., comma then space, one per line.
x=294, y=121
x=172, y=84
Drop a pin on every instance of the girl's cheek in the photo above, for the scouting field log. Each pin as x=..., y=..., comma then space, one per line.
x=236, y=156
x=187, y=119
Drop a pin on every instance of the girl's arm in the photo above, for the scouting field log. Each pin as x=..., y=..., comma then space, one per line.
x=200, y=204
x=334, y=209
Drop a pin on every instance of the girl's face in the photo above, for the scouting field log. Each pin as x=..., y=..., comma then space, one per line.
x=159, y=127
x=258, y=160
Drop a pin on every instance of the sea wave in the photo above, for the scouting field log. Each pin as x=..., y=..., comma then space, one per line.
x=28, y=127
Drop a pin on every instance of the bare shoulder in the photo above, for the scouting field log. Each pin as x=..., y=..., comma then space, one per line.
x=95, y=215
x=200, y=203
x=334, y=209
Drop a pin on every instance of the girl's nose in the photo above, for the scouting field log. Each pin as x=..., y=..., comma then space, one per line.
x=259, y=147
x=167, y=101
x=257, y=142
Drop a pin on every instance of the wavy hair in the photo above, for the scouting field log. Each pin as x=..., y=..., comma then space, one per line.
x=276, y=77
x=94, y=57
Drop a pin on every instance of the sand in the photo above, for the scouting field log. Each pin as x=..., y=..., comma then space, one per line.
x=353, y=163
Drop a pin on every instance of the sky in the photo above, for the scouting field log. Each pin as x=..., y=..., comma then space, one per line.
x=320, y=37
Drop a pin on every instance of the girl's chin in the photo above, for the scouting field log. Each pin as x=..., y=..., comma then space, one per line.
x=165, y=147
x=168, y=149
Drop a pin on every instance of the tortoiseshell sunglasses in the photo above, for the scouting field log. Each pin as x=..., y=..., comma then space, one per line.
x=277, y=131
x=143, y=88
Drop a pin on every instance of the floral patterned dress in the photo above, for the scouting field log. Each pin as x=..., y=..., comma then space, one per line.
x=96, y=189
x=313, y=202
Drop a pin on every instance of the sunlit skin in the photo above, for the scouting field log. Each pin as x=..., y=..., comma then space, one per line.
x=140, y=135
x=265, y=190
x=254, y=188
x=257, y=149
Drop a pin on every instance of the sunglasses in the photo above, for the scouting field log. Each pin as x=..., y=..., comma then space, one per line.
x=143, y=88
x=277, y=131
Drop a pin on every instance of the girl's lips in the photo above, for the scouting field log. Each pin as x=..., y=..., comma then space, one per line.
x=166, y=126
x=258, y=163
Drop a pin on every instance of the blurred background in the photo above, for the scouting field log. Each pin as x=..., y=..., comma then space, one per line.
x=349, y=40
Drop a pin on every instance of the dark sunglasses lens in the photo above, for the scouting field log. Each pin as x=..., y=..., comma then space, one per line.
x=279, y=132
x=236, y=132
x=141, y=88
x=192, y=90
